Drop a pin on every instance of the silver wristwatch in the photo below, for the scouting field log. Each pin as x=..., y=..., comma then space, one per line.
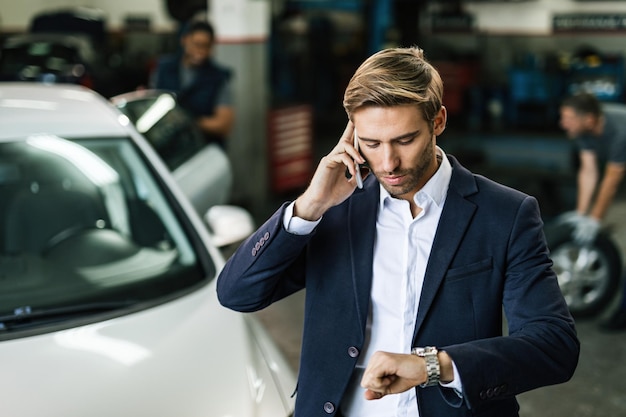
x=429, y=353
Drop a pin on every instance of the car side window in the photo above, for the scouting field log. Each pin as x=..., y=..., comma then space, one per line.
x=167, y=127
x=178, y=138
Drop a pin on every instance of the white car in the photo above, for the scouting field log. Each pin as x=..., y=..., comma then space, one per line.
x=107, y=276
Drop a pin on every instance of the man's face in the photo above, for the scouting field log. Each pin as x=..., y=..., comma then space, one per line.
x=197, y=47
x=575, y=124
x=399, y=146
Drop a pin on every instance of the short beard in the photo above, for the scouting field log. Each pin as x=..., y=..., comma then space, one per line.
x=416, y=174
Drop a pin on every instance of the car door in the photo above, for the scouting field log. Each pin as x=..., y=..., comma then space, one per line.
x=202, y=170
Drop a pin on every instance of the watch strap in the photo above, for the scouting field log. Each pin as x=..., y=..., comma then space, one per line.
x=433, y=371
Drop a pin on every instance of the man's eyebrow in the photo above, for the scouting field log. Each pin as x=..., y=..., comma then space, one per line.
x=401, y=137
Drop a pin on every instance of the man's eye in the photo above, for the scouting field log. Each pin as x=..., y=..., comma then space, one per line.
x=372, y=145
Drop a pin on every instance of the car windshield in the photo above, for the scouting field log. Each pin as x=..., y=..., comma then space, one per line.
x=86, y=223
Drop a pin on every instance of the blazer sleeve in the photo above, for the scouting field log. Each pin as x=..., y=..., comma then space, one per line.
x=267, y=267
x=541, y=347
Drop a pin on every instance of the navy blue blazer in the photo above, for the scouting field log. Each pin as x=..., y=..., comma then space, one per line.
x=489, y=256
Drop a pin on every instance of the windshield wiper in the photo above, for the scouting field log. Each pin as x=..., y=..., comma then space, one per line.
x=27, y=316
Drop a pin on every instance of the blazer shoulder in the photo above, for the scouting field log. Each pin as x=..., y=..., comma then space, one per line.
x=467, y=183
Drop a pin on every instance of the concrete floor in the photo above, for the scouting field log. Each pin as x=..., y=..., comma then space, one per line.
x=598, y=388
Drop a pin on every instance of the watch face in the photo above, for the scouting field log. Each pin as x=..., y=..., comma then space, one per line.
x=423, y=351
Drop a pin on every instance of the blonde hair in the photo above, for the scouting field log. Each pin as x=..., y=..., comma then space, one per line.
x=393, y=77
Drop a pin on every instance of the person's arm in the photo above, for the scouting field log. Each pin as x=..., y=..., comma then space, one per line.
x=587, y=180
x=541, y=347
x=613, y=175
x=269, y=265
x=220, y=123
x=266, y=267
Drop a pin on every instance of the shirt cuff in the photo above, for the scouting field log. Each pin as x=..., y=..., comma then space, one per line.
x=296, y=225
x=456, y=383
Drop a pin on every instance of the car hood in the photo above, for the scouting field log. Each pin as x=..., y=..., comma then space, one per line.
x=188, y=357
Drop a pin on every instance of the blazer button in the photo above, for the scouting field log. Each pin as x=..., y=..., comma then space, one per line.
x=266, y=236
x=353, y=352
x=329, y=407
x=483, y=395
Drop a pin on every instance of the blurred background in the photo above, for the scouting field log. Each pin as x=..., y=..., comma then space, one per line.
x=506, y=65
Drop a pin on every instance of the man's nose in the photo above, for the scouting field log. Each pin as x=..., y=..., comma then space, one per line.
x=391, y=159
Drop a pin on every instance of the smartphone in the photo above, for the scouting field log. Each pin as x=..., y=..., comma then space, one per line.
x=357, y=168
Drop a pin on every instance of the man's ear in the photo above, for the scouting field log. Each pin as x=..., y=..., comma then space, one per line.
x=439, y=124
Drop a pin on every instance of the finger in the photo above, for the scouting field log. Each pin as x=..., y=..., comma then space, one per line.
x=337, y=164
x=346, y=144
x=373, y=395
x=345, y=139
x=379, y=387
x=348, y=133
x=377, y=377
x=342, y=157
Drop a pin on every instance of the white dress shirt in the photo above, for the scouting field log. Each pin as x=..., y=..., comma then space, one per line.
x=401, y=252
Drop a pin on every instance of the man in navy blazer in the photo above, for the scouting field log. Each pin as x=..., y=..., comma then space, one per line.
x=409, y=271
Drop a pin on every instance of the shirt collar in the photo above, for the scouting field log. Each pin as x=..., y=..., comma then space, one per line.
x=437, y=186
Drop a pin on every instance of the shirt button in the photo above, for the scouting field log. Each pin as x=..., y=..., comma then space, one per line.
x=329, y=407
x=353, y=352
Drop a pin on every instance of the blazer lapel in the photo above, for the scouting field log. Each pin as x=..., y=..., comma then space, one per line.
x=363, y=208
x=455, y=218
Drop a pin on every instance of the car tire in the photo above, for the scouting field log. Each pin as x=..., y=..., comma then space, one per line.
x=588, y=276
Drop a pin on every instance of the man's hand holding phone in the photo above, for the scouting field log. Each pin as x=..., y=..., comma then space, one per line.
x=329, y=185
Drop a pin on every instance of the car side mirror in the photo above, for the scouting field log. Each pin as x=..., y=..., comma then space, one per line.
x=229, y=224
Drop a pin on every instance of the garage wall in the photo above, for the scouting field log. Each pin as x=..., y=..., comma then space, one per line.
x=492, y=17
x=15, y=15
x=532, y=17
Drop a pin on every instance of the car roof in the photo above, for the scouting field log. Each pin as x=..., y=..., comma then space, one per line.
x=75, y=40
x=80, y=43
x=67, y=110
